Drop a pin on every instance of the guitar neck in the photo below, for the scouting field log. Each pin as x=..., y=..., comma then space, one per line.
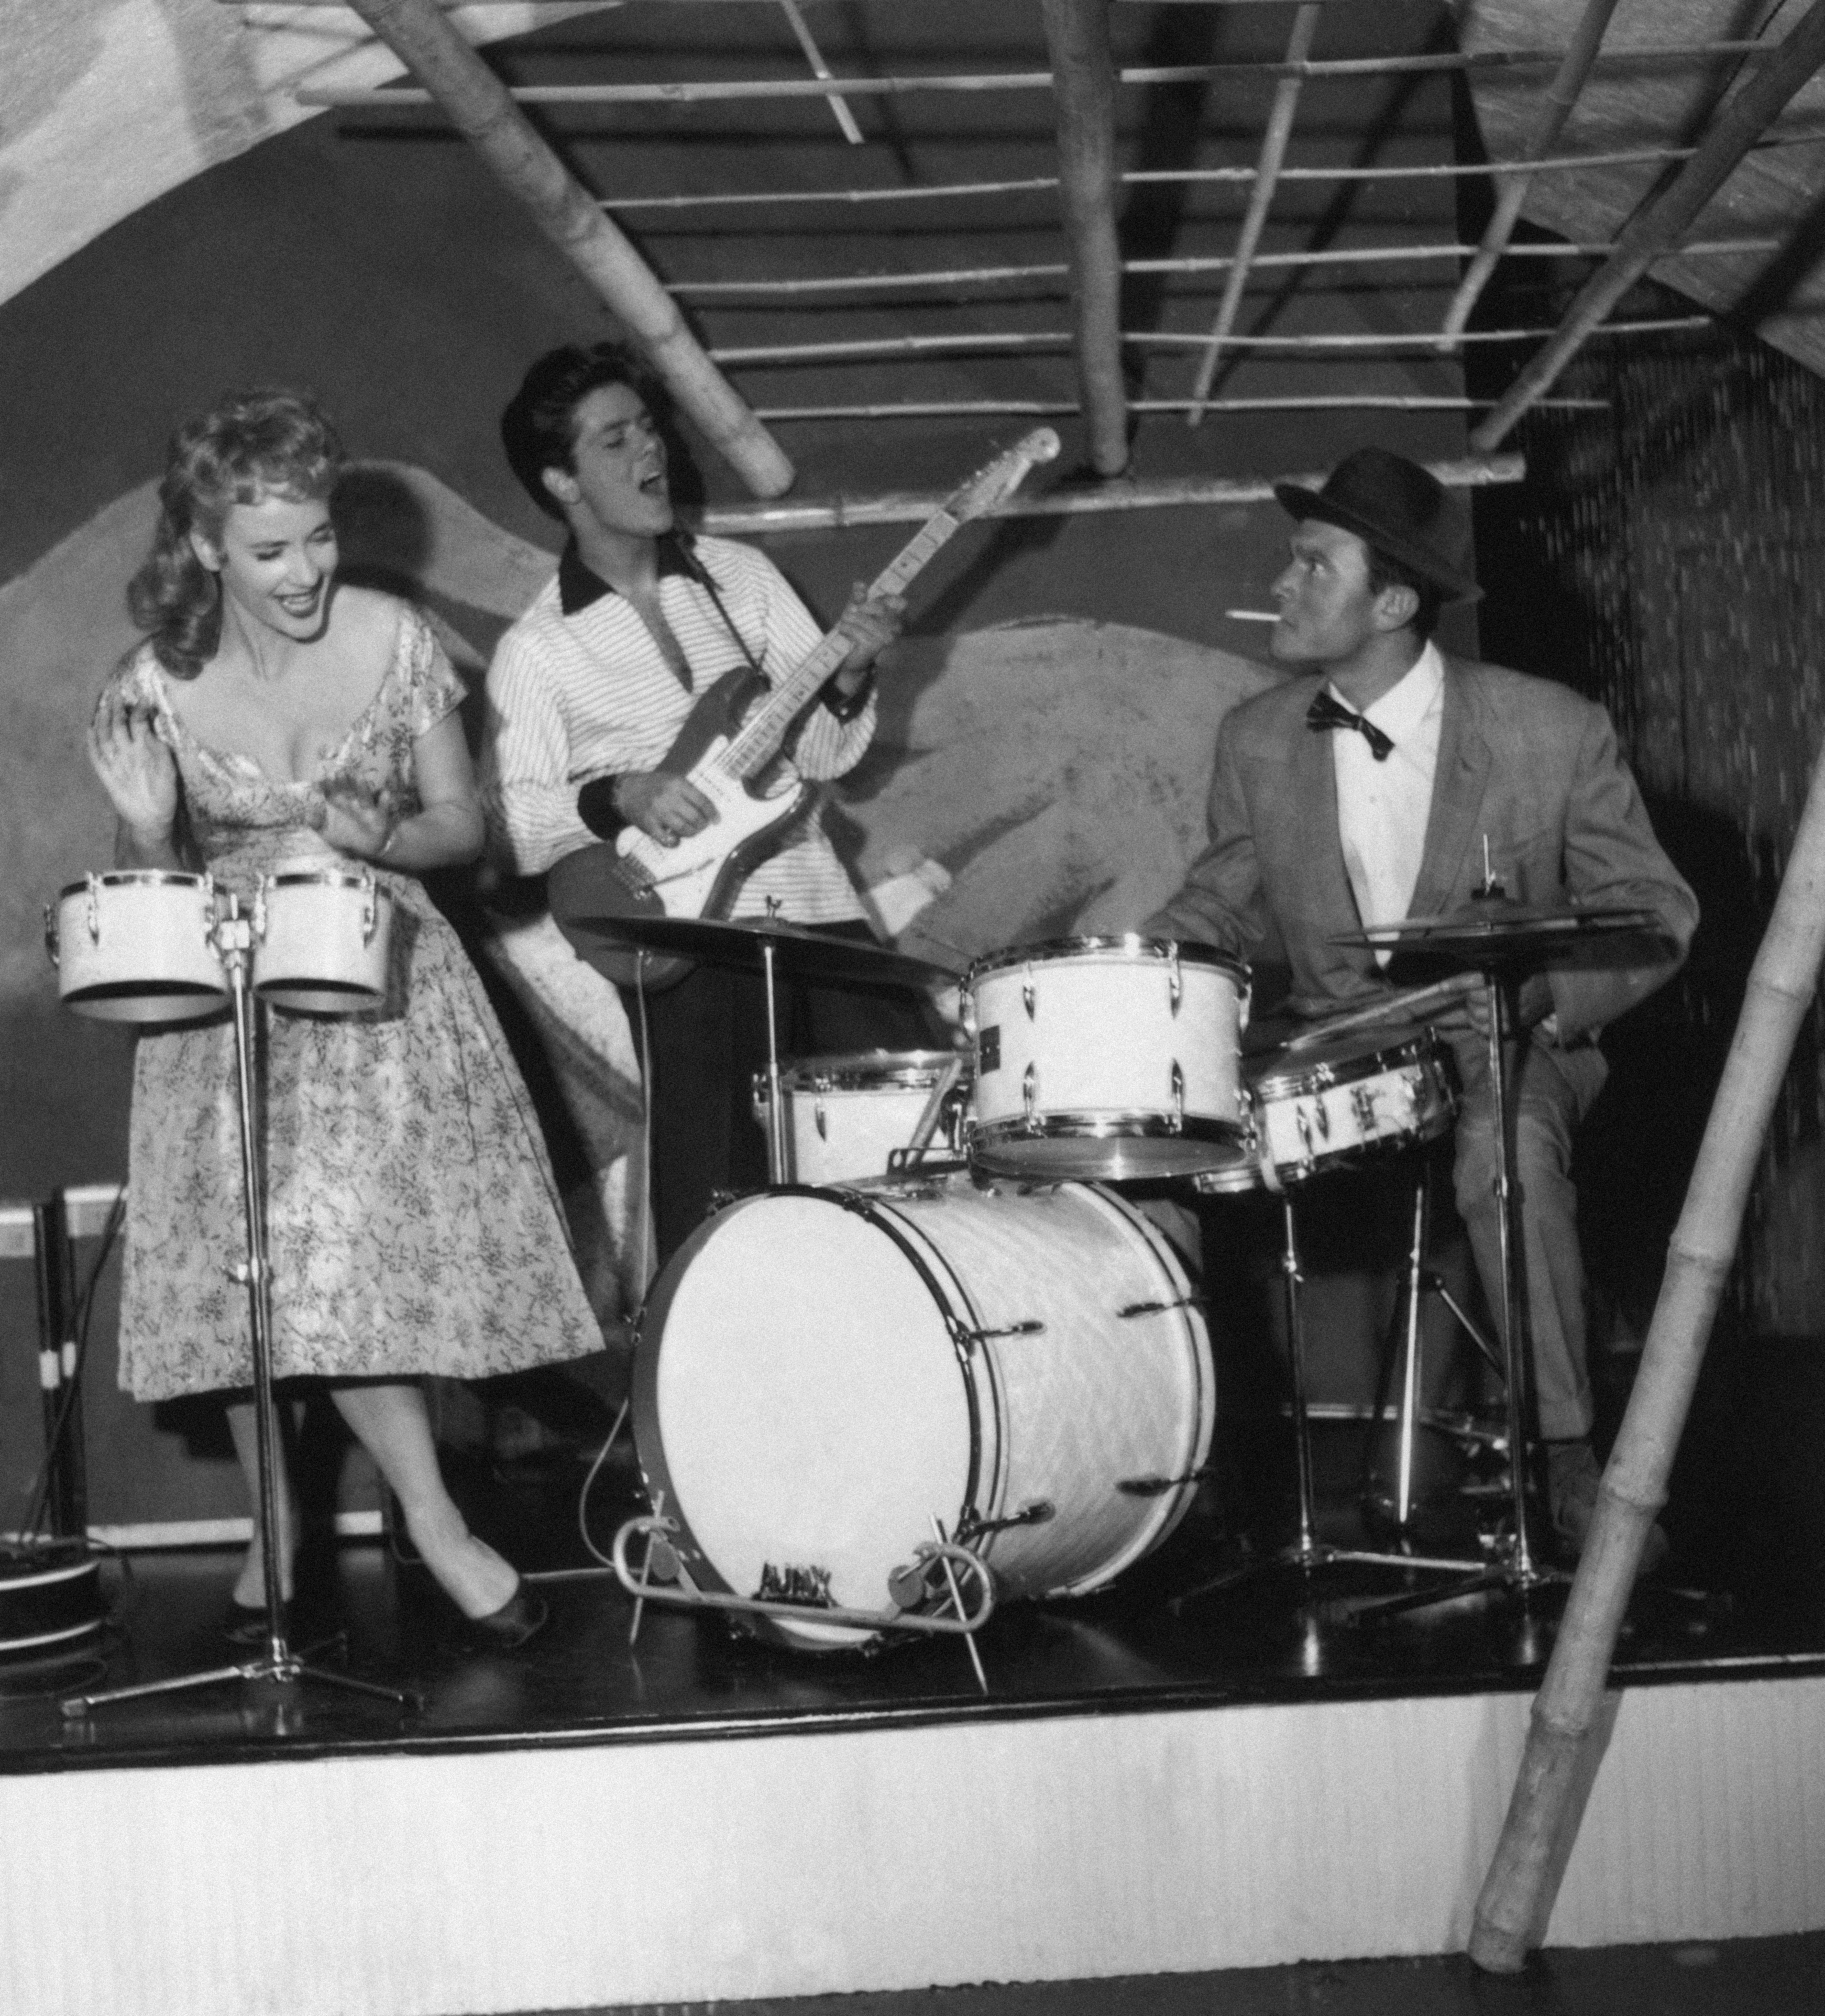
x=765, y=728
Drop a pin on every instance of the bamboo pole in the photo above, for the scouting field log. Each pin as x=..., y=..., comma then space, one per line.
x=1316, y=402
x=1651, y=233
x=1267, y=172
x=1513, y=1904
x=1038, y=185
x=702, y=91
x=479, y=106
x=1077, y=37
x=814, y=56
x=985, y=342
x=1555, y=108
x=914, y=507
x=1364, y=255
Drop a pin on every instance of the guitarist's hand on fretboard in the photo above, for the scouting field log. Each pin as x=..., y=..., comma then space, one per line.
x=871, y=622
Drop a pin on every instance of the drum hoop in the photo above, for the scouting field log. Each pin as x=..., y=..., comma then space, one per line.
x=1138, y=949
x=1424, y=1048
x=341, y=878
x=1122, y=1125
x=644, y=1392
x=136, y=878
x=857, y=1071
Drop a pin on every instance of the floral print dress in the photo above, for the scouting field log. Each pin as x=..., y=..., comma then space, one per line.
x=412, y=1226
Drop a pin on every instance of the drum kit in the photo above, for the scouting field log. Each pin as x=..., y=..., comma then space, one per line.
x=152, y=946
x=940, y=1359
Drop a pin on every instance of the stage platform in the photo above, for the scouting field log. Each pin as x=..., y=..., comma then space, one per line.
x=1155, y=1781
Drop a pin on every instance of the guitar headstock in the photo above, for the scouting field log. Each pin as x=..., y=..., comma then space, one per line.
x=999, y=480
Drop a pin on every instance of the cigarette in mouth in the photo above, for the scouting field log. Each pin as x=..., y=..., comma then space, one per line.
x=1253, y=615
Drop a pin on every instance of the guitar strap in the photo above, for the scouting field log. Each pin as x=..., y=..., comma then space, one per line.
x=701, y=575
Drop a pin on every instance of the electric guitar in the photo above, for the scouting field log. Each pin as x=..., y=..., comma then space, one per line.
x=731, y=734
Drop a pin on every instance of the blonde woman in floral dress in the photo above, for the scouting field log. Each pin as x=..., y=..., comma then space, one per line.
x=273, y=715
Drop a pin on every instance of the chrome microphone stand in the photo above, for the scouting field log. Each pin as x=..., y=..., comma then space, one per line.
x=232, y=936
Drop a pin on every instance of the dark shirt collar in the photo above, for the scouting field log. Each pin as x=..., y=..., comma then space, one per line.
x=578, y=586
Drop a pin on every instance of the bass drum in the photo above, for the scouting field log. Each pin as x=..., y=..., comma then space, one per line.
x=823, y=1373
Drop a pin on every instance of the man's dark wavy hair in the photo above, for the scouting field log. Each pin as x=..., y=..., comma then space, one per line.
x=538, y=428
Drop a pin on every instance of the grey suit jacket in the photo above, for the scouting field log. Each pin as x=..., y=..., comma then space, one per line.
x=1523, y=760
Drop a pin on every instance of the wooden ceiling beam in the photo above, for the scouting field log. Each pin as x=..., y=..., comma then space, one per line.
x=1555, y=109
x=1654, y=230
x=479, y=106
x=1267, y=175
x=1076, y=35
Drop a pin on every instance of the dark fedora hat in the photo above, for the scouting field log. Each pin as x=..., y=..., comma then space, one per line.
x=1399, y=507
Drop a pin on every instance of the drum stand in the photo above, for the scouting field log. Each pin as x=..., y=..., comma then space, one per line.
x=1308, y=1554
x=232, y=937
x=1421, y=1280
x=1513, y=1569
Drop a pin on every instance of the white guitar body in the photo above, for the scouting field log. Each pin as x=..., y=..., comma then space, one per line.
x=684, y=878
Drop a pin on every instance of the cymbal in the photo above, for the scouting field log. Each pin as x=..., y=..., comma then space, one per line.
x=813, y=955
x=1500, y=932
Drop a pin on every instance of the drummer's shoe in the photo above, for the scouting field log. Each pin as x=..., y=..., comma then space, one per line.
x=1572, y=1478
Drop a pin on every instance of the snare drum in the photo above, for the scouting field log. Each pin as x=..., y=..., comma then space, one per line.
x=821, y=1373
x=1109, y=1058
x=1341, y=1104
x=135, y=946
x=321, y=941
x=846, y=1115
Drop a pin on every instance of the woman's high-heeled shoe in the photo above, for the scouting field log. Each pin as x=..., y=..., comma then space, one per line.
x=507, y=1629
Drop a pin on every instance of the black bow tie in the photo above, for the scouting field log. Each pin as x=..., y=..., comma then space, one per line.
x=1324, y=712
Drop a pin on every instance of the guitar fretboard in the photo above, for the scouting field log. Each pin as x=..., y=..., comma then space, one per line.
x=761, y=734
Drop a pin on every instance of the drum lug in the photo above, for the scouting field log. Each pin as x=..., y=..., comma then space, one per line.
x=1156, y=1487
x=95, y=907
x=970, y=1338
x=1363, y=1106
x=1175, y=981
x=972, y=1526
x=1030, y=1095
x=1177, y=1123
x=822, y=1121
x=1160, y=1309
x=370, y=906
x=1028, y=1000
x=259, y=917
x=51, y=947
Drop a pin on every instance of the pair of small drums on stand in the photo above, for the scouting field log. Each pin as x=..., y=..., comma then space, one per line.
x=140, y=945
x=829, y=1375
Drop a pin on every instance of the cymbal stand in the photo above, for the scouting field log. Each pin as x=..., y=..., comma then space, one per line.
x=232, y=937
x=777, y=1172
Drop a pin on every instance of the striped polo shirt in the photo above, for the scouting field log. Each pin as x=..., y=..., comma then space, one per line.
x=579, y=689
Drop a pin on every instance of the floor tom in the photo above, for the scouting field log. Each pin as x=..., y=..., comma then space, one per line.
x=845, y=1116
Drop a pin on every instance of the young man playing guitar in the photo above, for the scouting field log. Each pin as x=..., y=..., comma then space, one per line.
x=587, y=693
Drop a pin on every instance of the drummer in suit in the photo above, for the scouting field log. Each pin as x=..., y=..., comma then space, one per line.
x=1387, y=780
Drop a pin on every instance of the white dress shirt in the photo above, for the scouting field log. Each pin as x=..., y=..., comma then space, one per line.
x=1382, y=807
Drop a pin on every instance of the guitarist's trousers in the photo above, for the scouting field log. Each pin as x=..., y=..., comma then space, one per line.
x=706, y=1040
